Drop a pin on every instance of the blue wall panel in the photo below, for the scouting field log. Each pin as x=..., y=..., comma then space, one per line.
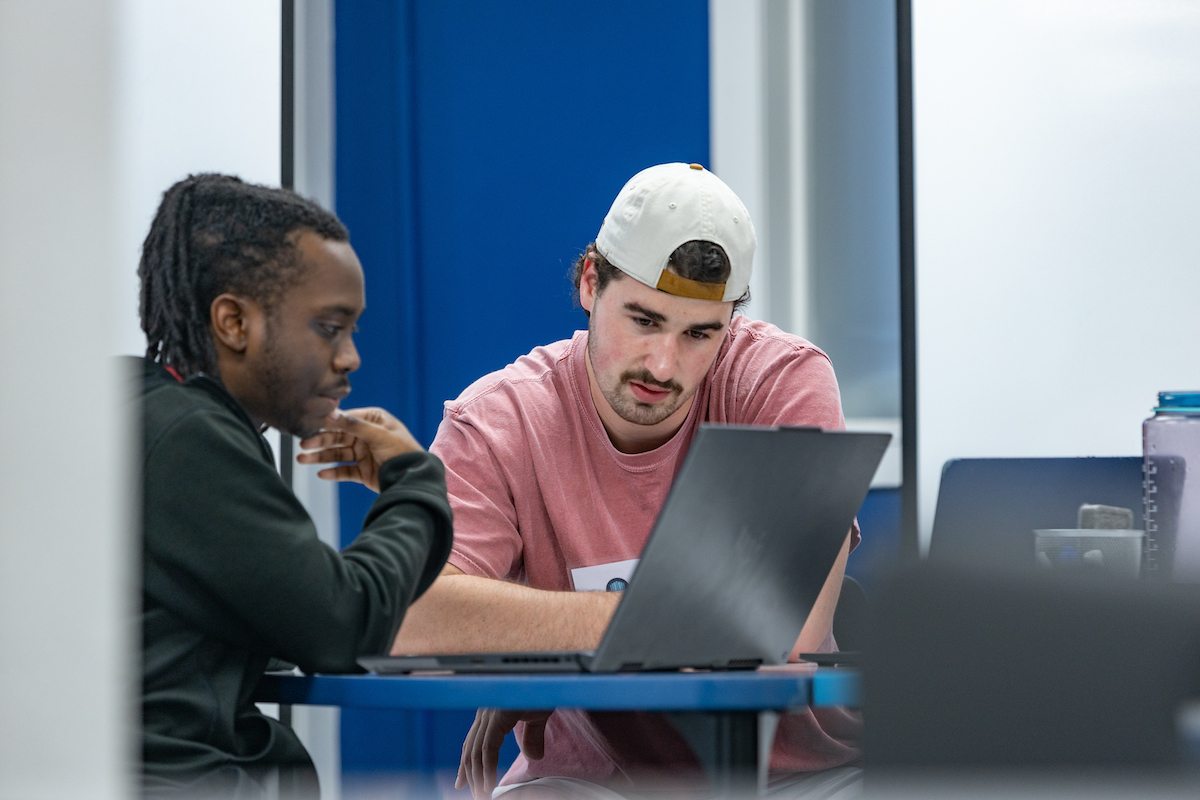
x=374, y=193
x=478, y=147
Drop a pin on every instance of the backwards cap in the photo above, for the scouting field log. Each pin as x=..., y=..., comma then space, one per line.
x=665, y=206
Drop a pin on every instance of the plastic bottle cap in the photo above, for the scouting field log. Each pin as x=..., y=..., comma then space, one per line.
x=1179, y=398
x=1178, y=401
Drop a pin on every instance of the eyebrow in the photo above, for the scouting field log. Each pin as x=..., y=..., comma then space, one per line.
x=345, y=311
x=637, y=308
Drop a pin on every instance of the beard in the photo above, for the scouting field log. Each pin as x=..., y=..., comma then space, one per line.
x=630, y=409
x=288, y=390
x=286, y=409
x=620, y=398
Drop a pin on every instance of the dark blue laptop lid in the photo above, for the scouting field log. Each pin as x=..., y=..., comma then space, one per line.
x=988, y=508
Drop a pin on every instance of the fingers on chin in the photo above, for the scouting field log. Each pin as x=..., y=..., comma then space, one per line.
x=324, y=439
x=341, y=473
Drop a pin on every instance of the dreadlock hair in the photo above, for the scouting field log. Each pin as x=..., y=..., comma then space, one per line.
x=705, y=262
x=214, y=234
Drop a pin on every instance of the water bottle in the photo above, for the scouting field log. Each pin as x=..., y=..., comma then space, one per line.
x=1171, y=487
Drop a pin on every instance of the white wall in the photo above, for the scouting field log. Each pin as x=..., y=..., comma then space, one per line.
x=68, y=682
x=1058, y=249
x=199, y=83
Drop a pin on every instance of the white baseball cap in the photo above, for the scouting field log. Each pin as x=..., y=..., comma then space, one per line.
x=664, y=206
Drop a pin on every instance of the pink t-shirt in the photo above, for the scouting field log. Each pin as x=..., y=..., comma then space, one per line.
x=538, y=490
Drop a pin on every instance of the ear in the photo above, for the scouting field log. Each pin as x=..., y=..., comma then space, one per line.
x=231, y=318
x=587, y=286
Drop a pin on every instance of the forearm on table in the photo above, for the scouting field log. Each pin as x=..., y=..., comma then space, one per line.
x=820, y=619
x=466, y=614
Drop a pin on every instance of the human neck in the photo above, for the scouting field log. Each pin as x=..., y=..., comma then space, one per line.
x=629, y=437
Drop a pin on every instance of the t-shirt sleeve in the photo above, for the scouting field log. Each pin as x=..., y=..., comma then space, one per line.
x=487, y=541
x=229, y=548
x=778, y=383
x=782, y=381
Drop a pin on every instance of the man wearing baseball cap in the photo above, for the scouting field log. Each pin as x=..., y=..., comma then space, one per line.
x=558, y=464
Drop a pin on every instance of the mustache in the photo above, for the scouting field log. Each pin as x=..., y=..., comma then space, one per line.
x=644, y=376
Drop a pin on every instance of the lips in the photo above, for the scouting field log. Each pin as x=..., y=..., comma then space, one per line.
x=337, y=392
x=648, y=394
x=336, y=395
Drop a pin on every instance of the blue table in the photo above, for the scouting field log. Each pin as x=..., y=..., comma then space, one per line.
x=760, y=690
x=720, y=714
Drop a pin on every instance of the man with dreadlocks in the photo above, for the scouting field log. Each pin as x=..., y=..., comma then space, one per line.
x=249, y=299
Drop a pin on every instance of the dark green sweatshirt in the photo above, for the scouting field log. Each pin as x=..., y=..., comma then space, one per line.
x=234, y=574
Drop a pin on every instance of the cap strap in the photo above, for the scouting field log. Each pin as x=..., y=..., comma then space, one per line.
x=679, y=286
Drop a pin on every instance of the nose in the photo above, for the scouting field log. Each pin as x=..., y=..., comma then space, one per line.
x=346, y=359
x=661, y=358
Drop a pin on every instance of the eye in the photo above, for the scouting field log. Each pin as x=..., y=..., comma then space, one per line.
x=698, y=336
x=329, y=331
x=643, y=322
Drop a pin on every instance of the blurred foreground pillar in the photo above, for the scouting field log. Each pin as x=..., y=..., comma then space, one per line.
x=67, y=550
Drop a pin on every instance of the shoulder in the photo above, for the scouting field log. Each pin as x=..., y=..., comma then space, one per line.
x=757, y=346
x=529, y=382
x=496, y=420
x=193, y=418
x=201, y=453
x=763, y=375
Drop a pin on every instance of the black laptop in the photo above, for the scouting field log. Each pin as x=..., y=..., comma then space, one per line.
x=742, y=547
